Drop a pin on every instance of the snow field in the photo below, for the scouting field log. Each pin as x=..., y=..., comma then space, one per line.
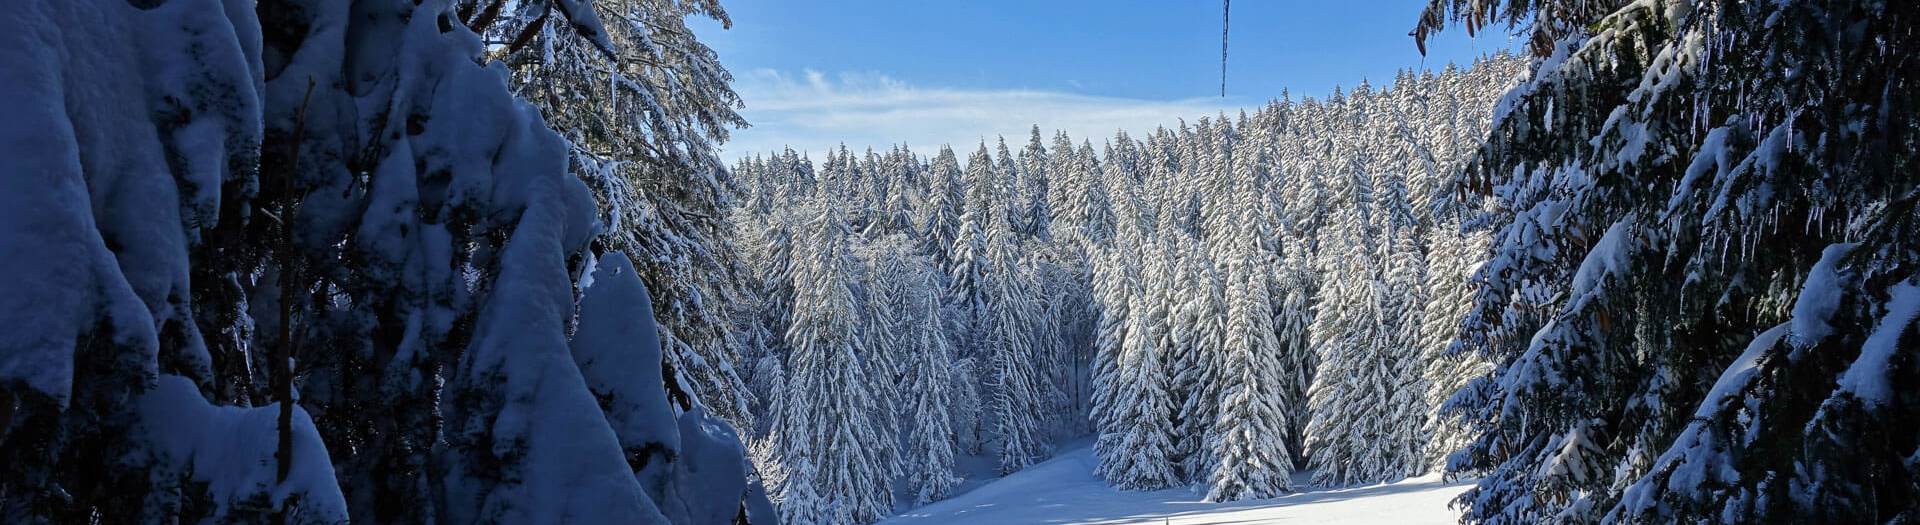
x=1065, y=491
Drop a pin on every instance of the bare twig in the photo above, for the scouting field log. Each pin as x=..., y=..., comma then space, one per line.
x=289, y=267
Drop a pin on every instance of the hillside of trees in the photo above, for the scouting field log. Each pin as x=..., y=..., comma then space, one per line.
x=1221, y=303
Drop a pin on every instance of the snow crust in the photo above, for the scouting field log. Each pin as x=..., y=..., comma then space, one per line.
x=1064, y=490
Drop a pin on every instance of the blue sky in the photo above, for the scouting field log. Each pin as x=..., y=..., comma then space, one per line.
x=874, y=72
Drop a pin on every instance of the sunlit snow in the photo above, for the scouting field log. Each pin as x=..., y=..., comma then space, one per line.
x=1065, y=491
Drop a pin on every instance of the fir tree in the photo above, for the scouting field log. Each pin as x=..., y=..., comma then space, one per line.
x=1249, y=447
x=1016, y=387
x=932, y=443
x=1142, y=455
x=827, y=440
x=1450, y=294
x=946, y=200
x=1676, y=305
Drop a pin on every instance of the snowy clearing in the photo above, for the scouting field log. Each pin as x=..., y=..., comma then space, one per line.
x=1064, y=490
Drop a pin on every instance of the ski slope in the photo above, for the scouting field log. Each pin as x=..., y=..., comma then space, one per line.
x=1064, y=490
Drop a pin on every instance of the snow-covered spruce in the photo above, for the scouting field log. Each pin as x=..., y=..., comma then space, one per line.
x=260, y=209
x=831, y=424
x=1697, y=271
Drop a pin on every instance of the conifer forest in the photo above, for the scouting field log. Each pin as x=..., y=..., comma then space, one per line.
x=498, y=262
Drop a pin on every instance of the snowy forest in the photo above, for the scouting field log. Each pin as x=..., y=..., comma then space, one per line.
x=1221, y=303
x=487, y=261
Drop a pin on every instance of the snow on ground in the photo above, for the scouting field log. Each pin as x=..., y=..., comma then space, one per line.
x=1064, y=490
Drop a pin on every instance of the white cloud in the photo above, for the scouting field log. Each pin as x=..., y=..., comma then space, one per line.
x=814, y=112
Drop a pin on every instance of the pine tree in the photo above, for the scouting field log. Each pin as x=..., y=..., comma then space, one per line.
x=932, y=443
x=831, y=426
x=1403, y=285
x=334, y=284
x=1036, y=177
x=614, y=343
x=516, y=426
x=1200, y=334
x=604, y=81
x=1142, y=455
x=1675, y=306
x=891, y=297
x=1291, y=296
x=1016, y=387
x=1009, y=195
x=118, y=327
x=1249, y=439
x=1453, y=258
x=900, y=171
x=967, y=405
x=1066, y=183
x=968, y=287
x=1113, y=287
x=1351, y=439
x=940, y=217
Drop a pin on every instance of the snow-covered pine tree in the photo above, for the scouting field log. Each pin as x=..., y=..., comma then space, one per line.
x=901, y=170
x=1036, y=176
x=1142, y=455
x=946, y=202
x=931, y=445
x=1064, y=180
x=1251, y=459
x=828, y=439
x=1015, y=387
x=374, y=195
x=1397, y=345
x=967, y=406
x=1704, y=343
x=766, y=240
x=1064, y=338
x=606, y=84
x=1096, y=211
x=1116, y=282
x=1454, y=257
x=670, y=452
x=1291, y=296
x=1199, y=333
x=1344, y=439
x=891, y=302
x=1115, y=275
x=968, y=288
x=1009, y=194
x=1083, y=223
x=124, y=341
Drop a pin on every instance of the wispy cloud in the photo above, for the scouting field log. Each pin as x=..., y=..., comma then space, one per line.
x=815, y=112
